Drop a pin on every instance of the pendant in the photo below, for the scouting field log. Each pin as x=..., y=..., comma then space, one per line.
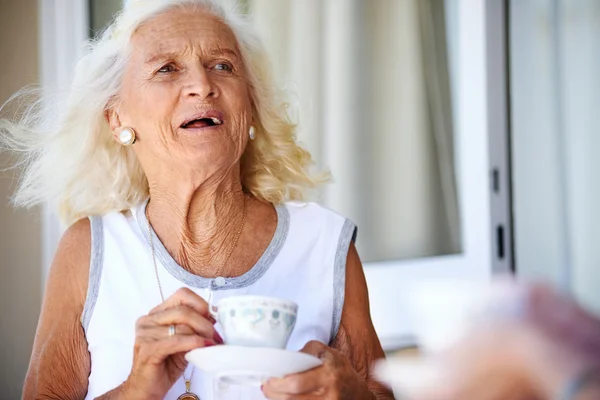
x=188, y=395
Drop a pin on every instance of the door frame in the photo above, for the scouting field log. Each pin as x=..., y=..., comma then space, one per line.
x=63, y=29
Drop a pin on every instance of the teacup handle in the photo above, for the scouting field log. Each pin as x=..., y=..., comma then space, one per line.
x=213, y=310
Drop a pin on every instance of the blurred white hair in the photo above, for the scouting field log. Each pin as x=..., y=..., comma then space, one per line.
x=71, y=160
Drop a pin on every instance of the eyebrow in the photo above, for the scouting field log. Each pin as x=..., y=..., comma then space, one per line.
x=224, y=51
x=160, y=57
x=170, y=55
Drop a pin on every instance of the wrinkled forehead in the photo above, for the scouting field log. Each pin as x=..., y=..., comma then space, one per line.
x=181, y=30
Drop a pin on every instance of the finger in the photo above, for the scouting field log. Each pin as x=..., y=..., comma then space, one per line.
x=315, y=348
x=184, y=315
x=331, y=358
x=172, y=345
x=186, y=297
x=272, y=394
x=283, y=396
x=303, y=383
x=161, y=331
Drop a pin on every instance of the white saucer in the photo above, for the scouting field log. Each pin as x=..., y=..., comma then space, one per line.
x=250, y=365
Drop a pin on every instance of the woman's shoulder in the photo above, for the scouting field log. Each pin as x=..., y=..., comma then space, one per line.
x=76, y=239
x=71, y=261
x=75, y=250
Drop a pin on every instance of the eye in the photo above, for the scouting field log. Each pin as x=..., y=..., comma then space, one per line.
x=166, y=69
x=223, y=67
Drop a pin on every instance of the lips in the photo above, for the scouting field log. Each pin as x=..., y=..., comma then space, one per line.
x=203, y=120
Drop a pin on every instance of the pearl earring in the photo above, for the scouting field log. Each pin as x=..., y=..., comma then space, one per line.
x=252, y=133
x=127, y=136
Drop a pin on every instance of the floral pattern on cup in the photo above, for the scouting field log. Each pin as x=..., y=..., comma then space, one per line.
x=290, y=320
x=257, y=321
x=255, y=315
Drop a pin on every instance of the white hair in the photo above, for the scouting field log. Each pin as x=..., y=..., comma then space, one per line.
x=71, y=160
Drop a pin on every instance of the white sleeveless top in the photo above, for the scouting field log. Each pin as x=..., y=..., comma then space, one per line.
x=304, y=262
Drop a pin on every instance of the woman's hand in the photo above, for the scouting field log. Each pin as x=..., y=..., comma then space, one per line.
x=335, y=379
x=158, y=359
x=346, y=363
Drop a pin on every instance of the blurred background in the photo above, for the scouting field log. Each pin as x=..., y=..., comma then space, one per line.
x=461, y=135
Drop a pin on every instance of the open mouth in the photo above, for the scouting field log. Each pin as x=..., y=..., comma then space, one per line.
x=202, y=123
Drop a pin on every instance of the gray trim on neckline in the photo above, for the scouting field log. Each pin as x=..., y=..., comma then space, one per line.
x=96, y=262
x=347, y=235
x=183, y=275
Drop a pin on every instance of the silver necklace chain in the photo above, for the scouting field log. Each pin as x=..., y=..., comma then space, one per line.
x=162, y=296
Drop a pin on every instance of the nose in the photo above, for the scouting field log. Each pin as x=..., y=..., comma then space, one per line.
x=199, y=84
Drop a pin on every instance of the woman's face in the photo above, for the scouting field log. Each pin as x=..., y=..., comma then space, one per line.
x=185, y=93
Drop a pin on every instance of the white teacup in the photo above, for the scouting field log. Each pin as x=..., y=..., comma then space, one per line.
x=257, y=321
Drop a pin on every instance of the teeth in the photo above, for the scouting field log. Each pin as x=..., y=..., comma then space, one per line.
x=215, y=121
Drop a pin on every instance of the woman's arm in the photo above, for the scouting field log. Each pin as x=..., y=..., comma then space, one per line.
x=356, y=338
x=346, y=364
x=60, y=362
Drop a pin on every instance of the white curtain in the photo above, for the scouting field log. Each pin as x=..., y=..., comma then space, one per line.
x=555, y=69
x=372, y=84
x=102, y=12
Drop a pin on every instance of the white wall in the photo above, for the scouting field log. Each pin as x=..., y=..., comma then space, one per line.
x=539, y=231
x=20, y=233
x=555, y=92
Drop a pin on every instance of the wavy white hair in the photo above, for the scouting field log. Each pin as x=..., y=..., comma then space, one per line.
x=71, y=160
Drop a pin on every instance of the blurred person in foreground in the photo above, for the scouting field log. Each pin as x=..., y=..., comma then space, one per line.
x=548, y=350
x=174, y=163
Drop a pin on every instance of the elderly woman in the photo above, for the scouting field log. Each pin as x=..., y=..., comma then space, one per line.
x=174, y=164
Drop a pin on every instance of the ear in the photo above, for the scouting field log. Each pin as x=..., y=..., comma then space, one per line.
x=113, y=120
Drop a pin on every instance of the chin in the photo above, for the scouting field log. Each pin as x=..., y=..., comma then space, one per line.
x=207, y=158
